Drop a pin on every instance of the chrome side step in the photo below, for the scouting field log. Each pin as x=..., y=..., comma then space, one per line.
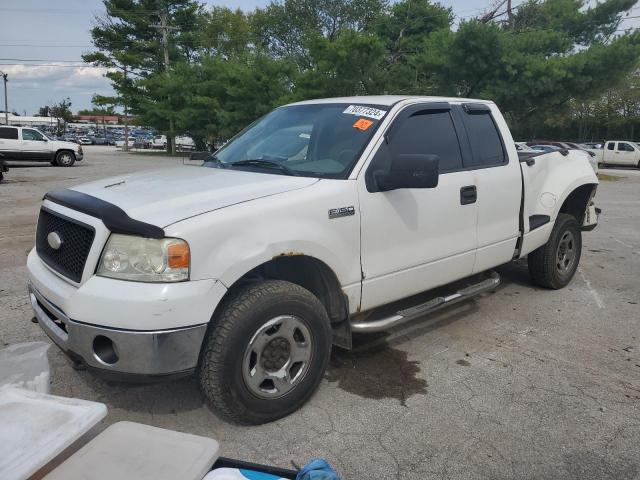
x=432, y=305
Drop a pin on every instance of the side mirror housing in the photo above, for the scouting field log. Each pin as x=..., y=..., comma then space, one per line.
x=409, y=171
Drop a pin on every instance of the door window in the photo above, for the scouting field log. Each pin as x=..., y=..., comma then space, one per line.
x=428, y=133
x=611, y=145
x=31, y=135
x=484, y=139
x=8, y=133
x=625, y=147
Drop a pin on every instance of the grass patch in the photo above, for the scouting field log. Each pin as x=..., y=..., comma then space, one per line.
x=605, y=177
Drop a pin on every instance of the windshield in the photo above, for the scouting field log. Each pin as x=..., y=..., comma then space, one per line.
x=319, y=140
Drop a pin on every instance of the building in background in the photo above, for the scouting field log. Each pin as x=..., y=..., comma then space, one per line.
x=24, y=121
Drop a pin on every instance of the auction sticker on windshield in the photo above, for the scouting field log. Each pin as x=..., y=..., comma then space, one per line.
x=362, y=111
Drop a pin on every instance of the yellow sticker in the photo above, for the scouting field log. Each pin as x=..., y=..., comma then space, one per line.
x=362, y=124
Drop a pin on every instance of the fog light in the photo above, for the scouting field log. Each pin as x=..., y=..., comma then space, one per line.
x=105, y=350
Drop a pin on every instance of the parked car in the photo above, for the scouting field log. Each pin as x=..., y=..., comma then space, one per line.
x=182, y=142
x=120, y=142
x=85, y=141
x=593, y=145
x=523, y=147
x=99, y=140
x=545, y=148
x=617, y=152
x=22, y=143
x=294, y=235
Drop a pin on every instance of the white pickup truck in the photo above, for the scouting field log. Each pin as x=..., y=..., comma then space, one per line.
x=248, y=269
x=615, y=152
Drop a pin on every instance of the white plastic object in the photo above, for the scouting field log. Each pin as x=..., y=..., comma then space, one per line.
x=35, y=428
x=133, y=451
x=25, y=365
x=238, y=474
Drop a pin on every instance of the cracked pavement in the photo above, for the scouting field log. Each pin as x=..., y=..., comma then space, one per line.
x=518, y=383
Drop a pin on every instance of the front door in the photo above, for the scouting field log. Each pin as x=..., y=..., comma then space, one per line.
x=416, y=239
x=35, y=146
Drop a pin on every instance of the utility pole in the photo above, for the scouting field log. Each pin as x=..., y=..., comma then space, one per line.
x=165, y=28
x=6, y=106
x=126, y=119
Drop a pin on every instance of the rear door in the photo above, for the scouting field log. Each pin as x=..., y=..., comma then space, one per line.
x=414, y=239
x=493, y=163
x=9, y=143
x=35, y=146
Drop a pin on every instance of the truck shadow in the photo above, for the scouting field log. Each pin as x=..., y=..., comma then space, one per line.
x=377, y=367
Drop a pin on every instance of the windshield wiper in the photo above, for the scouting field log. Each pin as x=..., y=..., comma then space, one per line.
x=215, y=160
x=259, y=162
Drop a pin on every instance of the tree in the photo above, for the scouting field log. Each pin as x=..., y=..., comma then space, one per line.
x=217, y=97
x=552, y=52
x=44, y=111
x=129, y=43
x=287, y=28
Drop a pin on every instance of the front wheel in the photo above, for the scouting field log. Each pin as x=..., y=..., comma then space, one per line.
x=265, y=352
x=554, y=264
x=65, y=159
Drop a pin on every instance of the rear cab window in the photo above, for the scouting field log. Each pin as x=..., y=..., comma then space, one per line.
x=485, y=141
x=625, y=147
x=8, y=133
x=611, y=146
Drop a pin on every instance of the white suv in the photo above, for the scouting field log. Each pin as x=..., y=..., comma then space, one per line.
x=29, y=144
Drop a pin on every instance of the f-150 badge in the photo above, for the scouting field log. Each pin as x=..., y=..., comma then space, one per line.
x=341, y=212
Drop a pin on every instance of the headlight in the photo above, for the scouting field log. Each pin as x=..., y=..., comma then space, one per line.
x=141, y=259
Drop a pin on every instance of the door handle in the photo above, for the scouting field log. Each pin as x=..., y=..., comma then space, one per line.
x=468, y=194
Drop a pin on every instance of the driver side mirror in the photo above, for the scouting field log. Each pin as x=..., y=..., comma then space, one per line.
x=409, y=171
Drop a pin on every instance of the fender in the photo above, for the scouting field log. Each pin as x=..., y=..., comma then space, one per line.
x=548, y=183
x=232, y=241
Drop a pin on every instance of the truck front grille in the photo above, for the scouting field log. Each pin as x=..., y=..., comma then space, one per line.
x=76, y=239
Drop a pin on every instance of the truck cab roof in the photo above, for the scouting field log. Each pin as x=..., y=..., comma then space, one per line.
x=389, y=100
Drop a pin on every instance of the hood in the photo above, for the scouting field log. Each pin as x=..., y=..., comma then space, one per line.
x=163, y=197
x=64, y=144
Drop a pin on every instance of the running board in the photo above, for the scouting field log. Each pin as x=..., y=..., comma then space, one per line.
x=432, y=305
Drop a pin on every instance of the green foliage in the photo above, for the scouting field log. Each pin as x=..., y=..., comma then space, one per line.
x=546, y=64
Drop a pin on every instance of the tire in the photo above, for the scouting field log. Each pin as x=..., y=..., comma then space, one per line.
x=554, y=264
x=65, y=158
x=247, y=341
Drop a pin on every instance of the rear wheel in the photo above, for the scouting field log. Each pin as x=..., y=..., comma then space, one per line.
x=554, y=264
x=265, y=352
x=65, y=158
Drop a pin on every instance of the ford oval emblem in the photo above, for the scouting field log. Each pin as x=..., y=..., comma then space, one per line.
x=54, y=240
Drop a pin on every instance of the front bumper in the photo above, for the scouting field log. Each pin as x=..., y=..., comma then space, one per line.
x=118, y=351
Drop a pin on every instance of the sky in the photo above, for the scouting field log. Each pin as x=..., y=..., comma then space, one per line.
x=50, y=31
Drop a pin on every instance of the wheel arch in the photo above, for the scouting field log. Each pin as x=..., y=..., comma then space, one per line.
x=310, y=273
x=576, y=202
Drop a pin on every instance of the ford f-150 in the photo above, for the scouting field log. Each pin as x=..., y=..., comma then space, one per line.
x=247, y=270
